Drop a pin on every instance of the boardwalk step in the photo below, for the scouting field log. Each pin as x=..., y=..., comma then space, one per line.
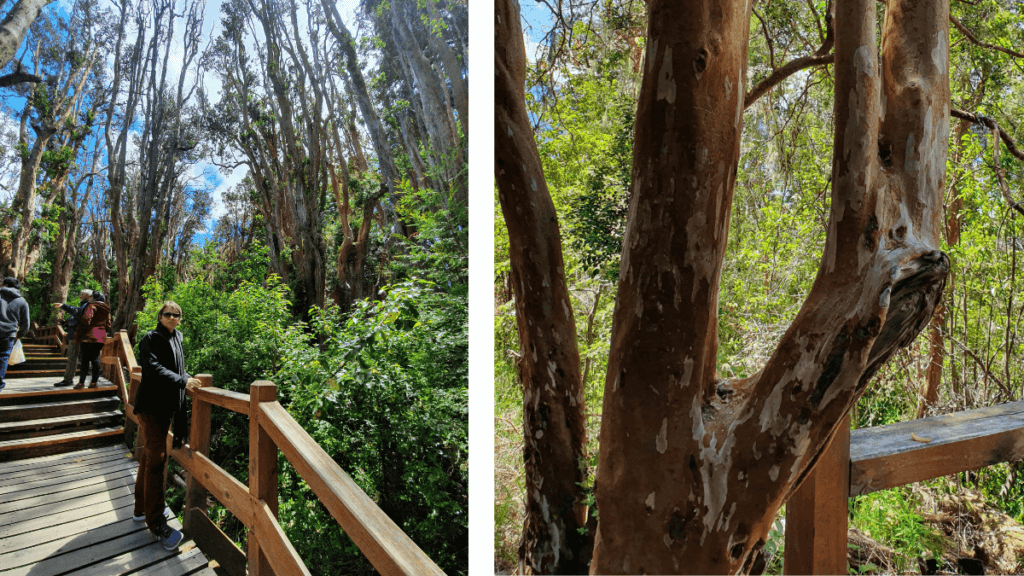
x=58, y=425
x=33, y=447
x=61, y=408
x=32, y=373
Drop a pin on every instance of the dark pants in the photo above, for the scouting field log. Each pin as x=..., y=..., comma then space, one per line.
x=149, y=484
x=5, y=354
x=90, y=357
x=74, y=349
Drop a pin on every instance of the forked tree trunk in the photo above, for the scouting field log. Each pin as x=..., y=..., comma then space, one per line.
x=693, y=469
x=553, y=424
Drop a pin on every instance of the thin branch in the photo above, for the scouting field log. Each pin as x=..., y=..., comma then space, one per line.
x=979, y=361
x=820, y=57
x=767, y=38
x=967, y=33
x=991, y=124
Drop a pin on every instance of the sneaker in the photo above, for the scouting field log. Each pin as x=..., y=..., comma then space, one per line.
x=167, y=514
x=169, y=537
x=62, y=383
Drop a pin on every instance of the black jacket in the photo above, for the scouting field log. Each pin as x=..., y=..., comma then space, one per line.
x=162, y=391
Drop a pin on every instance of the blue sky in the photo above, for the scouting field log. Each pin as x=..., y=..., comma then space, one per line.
x=204, y=173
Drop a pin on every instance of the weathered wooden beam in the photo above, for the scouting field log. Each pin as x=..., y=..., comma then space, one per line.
x=234, y=401
x=888, y=456
x=215, y=543
x=225, y=488
x=816, y=514
x=383, y=543
x=263, y=486
x=198, y=441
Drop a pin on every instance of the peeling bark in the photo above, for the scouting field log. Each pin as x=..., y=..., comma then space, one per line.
x=693, y=468
x=553, y=423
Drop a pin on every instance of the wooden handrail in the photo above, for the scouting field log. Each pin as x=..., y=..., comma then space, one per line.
x=888, y=456
x=385, y=545
x=389, y=549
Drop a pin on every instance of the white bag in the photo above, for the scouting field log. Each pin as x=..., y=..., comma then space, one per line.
x=17, y=354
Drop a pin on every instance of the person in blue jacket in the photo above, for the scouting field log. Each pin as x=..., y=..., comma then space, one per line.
x=13, y=321
x=161, y=396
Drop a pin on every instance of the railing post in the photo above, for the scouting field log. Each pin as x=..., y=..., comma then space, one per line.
x=262, y=471
x=130, y=426
x=199, y=442
x=816, y=514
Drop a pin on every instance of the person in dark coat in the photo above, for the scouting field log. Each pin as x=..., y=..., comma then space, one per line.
x=161, y=396
x=74, y=348
x=13, y=321
x=90, y=334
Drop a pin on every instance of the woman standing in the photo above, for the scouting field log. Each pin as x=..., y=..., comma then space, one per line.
x=90, y=335
x=161, y=395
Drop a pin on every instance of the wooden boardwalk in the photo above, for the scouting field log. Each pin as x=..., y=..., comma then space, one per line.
x=43, y=385
x=72, y=514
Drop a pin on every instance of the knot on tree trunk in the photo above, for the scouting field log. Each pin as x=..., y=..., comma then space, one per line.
x=912, y=299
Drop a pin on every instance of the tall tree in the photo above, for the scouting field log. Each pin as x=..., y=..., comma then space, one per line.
x=692, y=467
x=65, y=55
x=140, y=206
x=549, y=363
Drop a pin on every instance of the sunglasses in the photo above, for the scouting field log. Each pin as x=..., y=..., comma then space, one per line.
x=171, y=315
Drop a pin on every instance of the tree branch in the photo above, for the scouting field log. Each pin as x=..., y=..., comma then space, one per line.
x=820, y=57
x=997, y=132
x=991, y=125
x=19, y=77
x=967, y=34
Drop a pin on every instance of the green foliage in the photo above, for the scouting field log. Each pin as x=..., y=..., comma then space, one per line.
x=382, y=390
x=891, y=516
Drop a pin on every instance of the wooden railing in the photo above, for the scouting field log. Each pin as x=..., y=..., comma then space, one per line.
x=54, y=334
x=271, y=428
x=881, y=457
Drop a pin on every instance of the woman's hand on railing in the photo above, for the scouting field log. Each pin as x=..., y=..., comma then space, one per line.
x=193, y=383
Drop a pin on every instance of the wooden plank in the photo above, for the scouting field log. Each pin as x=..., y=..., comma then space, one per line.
x=389, y=549
x=74, y=489
x=60, y=540
x=14, y=524
x=77, y=466
x=71, y=407
x=816, y=514
x=234, y=401
x=56, y=459
x=152, y=560
x=16, y=449
x=275, y=547
x=888, y=456
x=262, y=472
x=27, y=542
x=50, y=485
x=68, y=483
x=142, y=545
x=14, y=391
x=227, y=490
x=216, y=544
x=56, y=422
x=199, y=442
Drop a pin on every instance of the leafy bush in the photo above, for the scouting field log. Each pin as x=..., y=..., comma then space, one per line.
x=382, y=390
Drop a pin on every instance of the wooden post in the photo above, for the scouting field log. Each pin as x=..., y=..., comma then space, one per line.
x=130, y=425
x=262, y=471
x=816, y=514
x=199, y=442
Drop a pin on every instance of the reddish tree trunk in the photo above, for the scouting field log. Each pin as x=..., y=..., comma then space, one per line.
x=553, y=423
x=693, y=469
